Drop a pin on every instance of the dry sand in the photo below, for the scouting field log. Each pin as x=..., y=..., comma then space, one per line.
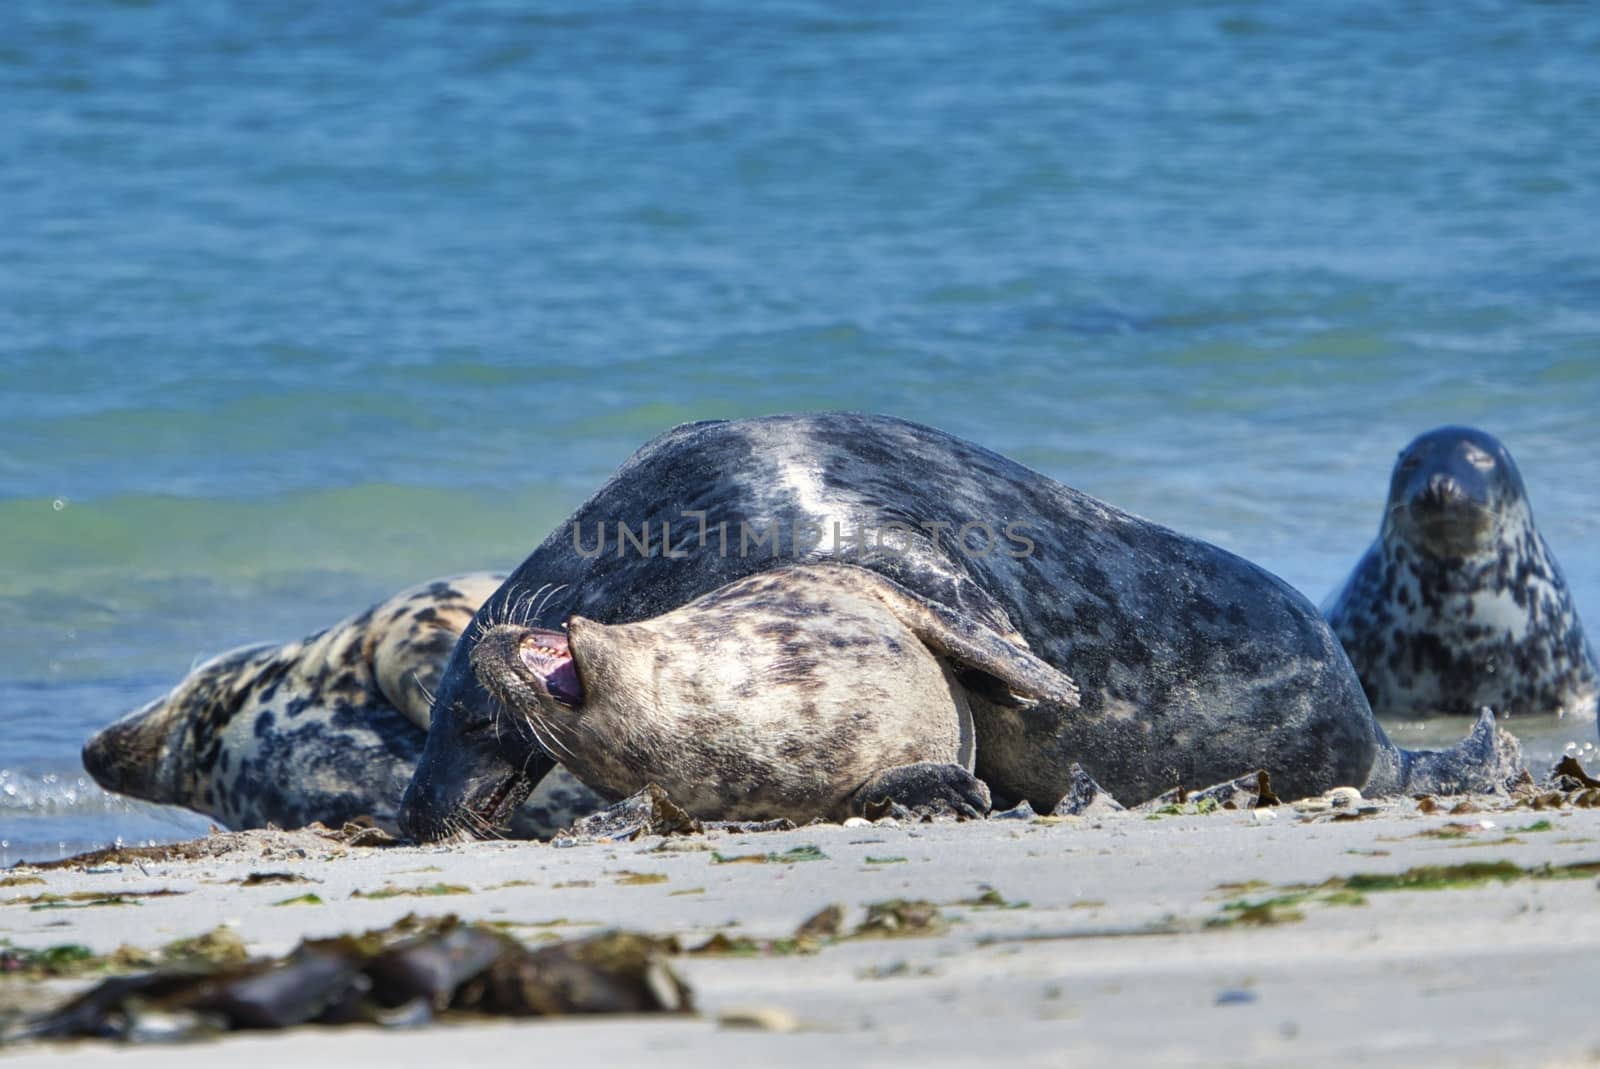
x=1118, y=949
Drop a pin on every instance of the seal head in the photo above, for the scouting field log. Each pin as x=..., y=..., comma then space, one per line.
x=1455, y=493
x=249, y=739
x=1459, y=604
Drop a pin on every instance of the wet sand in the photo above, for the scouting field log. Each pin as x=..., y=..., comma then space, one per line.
x=1128, y=939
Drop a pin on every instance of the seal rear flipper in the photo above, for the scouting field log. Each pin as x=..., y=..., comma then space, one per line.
x=989, y=665
x=926, y=785
x=1486, y=761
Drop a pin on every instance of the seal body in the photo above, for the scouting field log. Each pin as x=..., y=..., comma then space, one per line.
x=1459, y=604
x=838, y=683
x=1193, y=664
x=325, y=729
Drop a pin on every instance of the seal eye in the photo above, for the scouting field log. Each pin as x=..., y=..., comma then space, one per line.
x=1479, y=459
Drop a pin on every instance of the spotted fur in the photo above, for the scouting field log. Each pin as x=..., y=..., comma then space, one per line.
x=1194, y=664
x=790, y=693
x=1459, y=604
x=325, y=729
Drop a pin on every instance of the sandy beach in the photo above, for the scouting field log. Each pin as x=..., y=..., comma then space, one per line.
x=1238, y=938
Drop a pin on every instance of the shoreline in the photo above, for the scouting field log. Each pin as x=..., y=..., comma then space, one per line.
x=1544, y=741
x=1135, y=937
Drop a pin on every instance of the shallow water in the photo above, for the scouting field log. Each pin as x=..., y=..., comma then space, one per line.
x=300, y=304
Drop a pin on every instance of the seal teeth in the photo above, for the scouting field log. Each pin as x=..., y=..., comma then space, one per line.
x=544, y=649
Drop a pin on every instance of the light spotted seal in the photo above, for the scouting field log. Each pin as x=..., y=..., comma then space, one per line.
x=1459, y=604
x=1194, y=665
x=326, y=729
x=844, y=685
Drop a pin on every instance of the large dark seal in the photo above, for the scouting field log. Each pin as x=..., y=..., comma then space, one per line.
x=1194, y=664
x=1459, y=605
x=325, y=729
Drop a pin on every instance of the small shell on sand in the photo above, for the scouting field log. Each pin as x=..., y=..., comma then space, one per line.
x=758, y=1019
x=1343, y=797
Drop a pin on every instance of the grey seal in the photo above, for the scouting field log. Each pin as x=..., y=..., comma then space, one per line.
x=1459, y=604
x=326, y=729
x=1193, y=664
x=844, y=688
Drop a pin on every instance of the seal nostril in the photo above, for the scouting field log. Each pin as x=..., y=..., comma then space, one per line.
x=1441, y=489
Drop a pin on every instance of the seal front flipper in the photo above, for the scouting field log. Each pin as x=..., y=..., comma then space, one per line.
x=986, y=663
x=925, y=785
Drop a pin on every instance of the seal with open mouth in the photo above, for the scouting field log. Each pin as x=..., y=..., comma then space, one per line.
x=846, y=689
x=1193, y=664
x=1459, y=604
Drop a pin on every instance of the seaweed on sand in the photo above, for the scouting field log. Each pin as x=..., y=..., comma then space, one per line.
x=410, y=973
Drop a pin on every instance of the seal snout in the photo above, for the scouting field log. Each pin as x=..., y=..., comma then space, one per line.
x=99, y=760
x=1446, y=518
x=124, y=756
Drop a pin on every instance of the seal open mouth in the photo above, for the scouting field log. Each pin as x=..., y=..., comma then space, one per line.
x=547, y=655
x=493, y=810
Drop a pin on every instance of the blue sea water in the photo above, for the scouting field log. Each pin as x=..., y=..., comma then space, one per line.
x=301, y=303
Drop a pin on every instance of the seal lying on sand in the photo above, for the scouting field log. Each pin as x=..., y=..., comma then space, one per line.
x=842, y=685
x=1194, y=665
x=1459, y=604
x=326, y=729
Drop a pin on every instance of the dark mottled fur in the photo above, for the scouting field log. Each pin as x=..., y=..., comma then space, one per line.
x=1194, y=664
x=1459, y=605
x=791, y=693
x=326, y=729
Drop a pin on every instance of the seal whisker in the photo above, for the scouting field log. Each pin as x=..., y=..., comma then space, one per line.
x=526, y=603
x=416, y=677
x=551, y=745
x=538, y=614
x=516, y=610
x=472, y=822
x=1464, y=504
x=493, y=615
x=523, y=728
